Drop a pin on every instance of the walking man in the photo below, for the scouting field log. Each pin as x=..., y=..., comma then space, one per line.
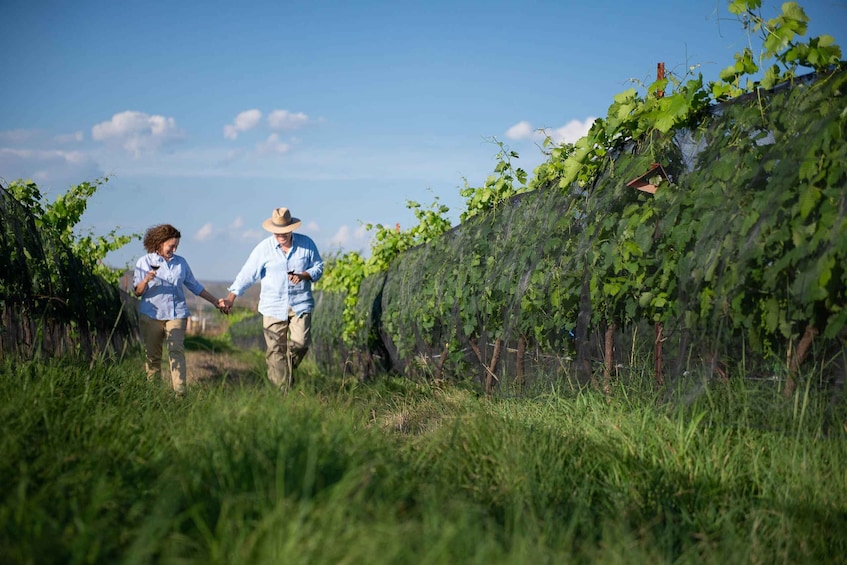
x=287, y=264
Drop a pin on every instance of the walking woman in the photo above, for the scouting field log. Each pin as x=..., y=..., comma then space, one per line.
x=158, y=280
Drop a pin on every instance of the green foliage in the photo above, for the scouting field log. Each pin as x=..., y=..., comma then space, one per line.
x=635, y=249
x=486, y=281
x=767, y=246
x=633, y=117
x=498, y=188
x=346, y=273
x=390, y=242
x=746, y=231
x=780, y=44
x=53, y=301
x=57, y=220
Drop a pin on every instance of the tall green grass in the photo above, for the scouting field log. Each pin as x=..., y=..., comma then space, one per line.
x=100, y=466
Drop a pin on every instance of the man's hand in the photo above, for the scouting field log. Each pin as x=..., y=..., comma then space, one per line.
x=297, y=278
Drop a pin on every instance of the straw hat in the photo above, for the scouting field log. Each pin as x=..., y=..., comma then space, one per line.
x=281, y=222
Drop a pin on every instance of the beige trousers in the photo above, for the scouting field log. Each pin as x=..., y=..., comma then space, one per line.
x=287, y=343
x=156, y=332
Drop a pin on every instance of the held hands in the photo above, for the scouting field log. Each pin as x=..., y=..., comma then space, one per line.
x=225, y=304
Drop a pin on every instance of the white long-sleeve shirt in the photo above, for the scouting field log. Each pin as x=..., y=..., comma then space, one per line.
x=270, y=264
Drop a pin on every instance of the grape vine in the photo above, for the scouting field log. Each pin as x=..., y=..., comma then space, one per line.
x=746, y=228
x=59, y=218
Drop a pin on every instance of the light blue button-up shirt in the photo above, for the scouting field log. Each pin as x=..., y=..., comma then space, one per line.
x=270, y=264
x=164, y=298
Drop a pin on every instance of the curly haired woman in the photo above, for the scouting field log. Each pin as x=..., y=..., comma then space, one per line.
x=163, y=315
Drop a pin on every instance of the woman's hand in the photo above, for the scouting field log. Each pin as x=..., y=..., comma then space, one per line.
x=141, y=287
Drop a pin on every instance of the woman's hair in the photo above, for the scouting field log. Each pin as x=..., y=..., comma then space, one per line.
x=157, y=235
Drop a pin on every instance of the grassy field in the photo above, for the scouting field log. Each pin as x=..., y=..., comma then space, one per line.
x=98, y=465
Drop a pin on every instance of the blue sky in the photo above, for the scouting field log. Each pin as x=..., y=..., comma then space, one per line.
x=209, y=114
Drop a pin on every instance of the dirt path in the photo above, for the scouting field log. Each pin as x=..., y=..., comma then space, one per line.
x=216, y=367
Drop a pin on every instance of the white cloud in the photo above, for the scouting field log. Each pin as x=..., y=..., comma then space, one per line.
x=521, y=130
x=17, y=136
x=283, y=119
x=244, y=121
x=232, y=156
x=48, y=167
x=568, y=133
x=234, y=231
x=348, y=238
x=572, y=131
x=254, y=235
x=204, y=233
x=137, y=132
x=76, y=136
x=272, y=145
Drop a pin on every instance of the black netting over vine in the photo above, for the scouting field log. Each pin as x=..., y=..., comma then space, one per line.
x=50, y=303
x=368, y=356
x=716, y=246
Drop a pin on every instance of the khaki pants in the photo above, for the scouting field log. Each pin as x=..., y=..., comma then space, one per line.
x=287, y=343
x=156, y=332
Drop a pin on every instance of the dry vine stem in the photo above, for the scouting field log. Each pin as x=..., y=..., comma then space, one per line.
x=489, y=369
x=795, y=358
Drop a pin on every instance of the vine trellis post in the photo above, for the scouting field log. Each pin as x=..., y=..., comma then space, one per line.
x=657, y=346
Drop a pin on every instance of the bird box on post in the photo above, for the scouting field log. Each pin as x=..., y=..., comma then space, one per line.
x=649, y=181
